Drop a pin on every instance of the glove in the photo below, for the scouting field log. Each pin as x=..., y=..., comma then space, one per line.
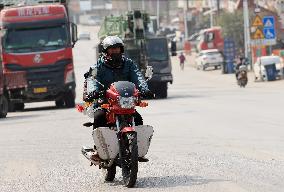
x=86, y=75
x=91, y=96
x=147, y=94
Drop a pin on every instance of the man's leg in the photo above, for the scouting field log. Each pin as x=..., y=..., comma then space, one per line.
x=138, y=119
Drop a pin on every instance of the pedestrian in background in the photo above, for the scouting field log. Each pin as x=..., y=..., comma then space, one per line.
x=181, y=60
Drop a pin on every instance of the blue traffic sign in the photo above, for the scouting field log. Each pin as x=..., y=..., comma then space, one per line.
x=269, y=33
x=269, y=27
x=268, y=22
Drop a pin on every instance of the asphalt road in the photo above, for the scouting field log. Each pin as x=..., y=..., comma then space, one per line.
x=210, y=135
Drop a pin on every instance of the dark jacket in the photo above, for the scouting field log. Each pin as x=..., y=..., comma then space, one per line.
x=106, y=75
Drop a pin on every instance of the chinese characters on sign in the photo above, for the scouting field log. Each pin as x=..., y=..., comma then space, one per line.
x=24, y=12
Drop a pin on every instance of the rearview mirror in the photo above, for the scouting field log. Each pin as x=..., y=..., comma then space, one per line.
x=74, y=33
x=149, y=72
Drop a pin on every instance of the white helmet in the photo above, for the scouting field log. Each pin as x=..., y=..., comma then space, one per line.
x=112, y=41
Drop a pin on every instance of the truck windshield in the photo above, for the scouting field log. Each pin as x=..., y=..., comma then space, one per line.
x=157, y=49
x=35, y=39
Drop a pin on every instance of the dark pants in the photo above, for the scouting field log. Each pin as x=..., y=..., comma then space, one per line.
x=101, y=121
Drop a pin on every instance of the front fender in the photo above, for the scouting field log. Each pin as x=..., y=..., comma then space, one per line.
x=128, y=129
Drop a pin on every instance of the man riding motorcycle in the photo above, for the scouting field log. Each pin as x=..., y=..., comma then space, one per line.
x=113, y=66
x=241, y=62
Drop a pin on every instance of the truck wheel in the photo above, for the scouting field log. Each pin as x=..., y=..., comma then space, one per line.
x=162, y=90
x=4, y=105
x=69, y=99
x=59, y=103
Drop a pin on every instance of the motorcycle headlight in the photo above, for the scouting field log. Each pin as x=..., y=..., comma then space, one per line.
x=126, y=102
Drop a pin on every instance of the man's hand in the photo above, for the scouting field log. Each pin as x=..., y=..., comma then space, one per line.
x=91, y=96
x=147, y=94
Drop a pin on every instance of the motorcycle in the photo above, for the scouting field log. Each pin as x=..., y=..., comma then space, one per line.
x=242, y=76
x=121, y=144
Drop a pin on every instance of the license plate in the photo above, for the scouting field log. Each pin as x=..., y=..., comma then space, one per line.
x=40, y=90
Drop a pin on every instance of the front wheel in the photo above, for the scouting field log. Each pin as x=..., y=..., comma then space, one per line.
x=4, y=105
x=69, y=99
x=59, y=103
x=162, y=90
x=129, y=159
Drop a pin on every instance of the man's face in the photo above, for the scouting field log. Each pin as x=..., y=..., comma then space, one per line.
x=113, y=50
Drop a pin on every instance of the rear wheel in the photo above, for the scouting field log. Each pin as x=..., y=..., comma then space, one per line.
x=129, y=159
x=4, y=106
x=162, y=90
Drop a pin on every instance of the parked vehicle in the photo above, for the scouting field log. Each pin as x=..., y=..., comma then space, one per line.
x=259, y=66
x=242, y=76
x=84, y=36
x=209, y=58
x=94, y=20
x=38, y=39
x=211, y=38
x=121, y=144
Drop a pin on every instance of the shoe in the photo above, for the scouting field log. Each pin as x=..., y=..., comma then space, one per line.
x=143, y=159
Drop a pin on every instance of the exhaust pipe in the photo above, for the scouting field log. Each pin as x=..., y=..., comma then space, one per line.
x=89, y=152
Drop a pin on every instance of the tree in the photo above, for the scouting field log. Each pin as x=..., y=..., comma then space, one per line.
x=233, y=26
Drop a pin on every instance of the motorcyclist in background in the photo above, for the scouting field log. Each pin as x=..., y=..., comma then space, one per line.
x=113, y=66
x=242, y=61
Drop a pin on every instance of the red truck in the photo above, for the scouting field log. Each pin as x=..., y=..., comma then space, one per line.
x=38, y=40
x=211, y=38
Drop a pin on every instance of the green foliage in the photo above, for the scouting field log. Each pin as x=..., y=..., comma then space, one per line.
x=233, y=26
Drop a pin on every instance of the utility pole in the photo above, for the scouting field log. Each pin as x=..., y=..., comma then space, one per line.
x=158, y=14
x=185, y=20
x=129, y=5
x=247, y=31
x=218, y=7
x=143, y=4
x=168, y=11
x=211, y=13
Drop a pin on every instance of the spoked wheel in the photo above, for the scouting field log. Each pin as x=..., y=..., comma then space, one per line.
x=129, y=161
x=110, y=173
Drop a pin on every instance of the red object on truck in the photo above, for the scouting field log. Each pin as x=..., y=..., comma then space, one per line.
x=38, y=40
x=211, y=38
x=11, y=82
